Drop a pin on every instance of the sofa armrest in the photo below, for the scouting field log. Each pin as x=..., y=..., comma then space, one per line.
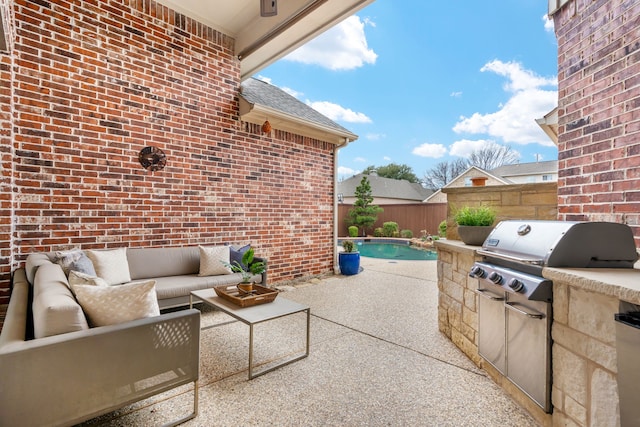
x=68, y=378
x=15, y=322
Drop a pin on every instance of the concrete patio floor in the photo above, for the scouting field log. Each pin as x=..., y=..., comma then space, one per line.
x=376, y=359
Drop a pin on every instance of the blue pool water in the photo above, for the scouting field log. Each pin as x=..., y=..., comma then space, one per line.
x=395, y=251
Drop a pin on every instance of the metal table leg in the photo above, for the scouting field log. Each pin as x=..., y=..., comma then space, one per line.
x=285, y=361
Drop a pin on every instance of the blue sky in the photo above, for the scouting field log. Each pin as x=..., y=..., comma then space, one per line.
x=422, y=82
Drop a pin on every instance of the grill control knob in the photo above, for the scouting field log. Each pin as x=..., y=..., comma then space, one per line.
x=495, y=278
x=516, y=285
x=477, y=271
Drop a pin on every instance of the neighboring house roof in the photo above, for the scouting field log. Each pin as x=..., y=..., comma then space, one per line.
x=261, y=101
x=473, y=172
x=533, y=168
x=436, y=197
x=387, y=188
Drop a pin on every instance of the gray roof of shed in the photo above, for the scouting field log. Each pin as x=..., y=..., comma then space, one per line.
x=385, y=188
x=533, y=168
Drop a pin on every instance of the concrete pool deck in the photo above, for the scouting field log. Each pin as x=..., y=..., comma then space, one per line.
x=377, y=359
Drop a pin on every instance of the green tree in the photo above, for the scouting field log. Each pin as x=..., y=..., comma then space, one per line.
x=363, y=214
x=393, y=171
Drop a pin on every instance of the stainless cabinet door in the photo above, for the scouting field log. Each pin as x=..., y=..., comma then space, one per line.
x=491, y=328
x=529, y=349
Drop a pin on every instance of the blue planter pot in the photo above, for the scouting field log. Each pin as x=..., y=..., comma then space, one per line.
x=349, y=263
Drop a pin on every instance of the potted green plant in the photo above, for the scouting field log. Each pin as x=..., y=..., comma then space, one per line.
x=474, y=223
x=349, y=258
x=248, y=268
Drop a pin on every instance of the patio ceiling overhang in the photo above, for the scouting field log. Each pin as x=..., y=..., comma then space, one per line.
x=257, y=114
x=260, y=41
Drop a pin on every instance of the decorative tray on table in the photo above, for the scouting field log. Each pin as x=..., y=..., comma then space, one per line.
x=258, y=295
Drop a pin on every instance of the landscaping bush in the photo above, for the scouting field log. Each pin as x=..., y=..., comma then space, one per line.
x=442, y=229
x=353, y=231
x=475, y=216
x=390, y=229
x=406, y=234
x=378, y=232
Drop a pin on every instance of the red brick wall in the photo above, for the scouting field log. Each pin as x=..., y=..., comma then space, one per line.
x=6, y=258
x=95, y=83
x=599, y=111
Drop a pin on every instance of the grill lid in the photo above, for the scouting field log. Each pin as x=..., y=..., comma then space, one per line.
x=572, y=244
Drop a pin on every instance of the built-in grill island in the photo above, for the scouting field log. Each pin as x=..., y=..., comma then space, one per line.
x=515, y=301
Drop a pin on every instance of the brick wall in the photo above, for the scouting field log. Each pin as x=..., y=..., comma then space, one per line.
x=6, y=67
x=95, y=83
x=599, y=111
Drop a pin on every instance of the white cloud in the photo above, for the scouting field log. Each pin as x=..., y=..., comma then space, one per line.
x=456, y=94
x=338, y=113
x=548, y=23
x=515, y=121
x=386, y=158
x=519, y=78
x=360, y=160
x=343, y=47
x=345, y=172
x=375, y=136
x=433, y=151
x=464, y=147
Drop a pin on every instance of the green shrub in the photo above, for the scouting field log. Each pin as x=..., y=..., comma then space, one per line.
x=353, y=231
x=390, y=229
x=348, y=246
x=475, y=216
x=378, y=232
x=406, y=234
x=442, y=229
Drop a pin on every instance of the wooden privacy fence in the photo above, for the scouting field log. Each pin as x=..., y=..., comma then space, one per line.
x=414, y=217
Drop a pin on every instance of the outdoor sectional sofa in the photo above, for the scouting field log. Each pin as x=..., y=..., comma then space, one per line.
x=60, y=364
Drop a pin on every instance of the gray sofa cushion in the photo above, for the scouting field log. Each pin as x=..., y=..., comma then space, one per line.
x=146, y=263
x=178, y=286
x=55, y=310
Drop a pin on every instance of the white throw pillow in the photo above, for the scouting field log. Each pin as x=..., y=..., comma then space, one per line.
x=110, y=305
x=111, y=265
x=213, y=259
x=78, y=278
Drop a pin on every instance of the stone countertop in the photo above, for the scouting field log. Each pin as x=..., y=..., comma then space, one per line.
x=455, y=245
x=620, y=283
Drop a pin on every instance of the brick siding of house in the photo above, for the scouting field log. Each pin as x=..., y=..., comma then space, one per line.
x=5, y=177
x=94, y=83
x=599, y=111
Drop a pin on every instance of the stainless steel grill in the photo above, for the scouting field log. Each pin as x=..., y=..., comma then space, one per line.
x=514, y=309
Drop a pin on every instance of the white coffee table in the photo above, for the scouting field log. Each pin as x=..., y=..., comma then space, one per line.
x=254, y=315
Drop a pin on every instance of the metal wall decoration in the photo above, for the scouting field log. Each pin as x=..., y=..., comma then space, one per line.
x=152, y=158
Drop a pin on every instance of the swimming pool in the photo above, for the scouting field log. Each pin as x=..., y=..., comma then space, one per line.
x=394, y=250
